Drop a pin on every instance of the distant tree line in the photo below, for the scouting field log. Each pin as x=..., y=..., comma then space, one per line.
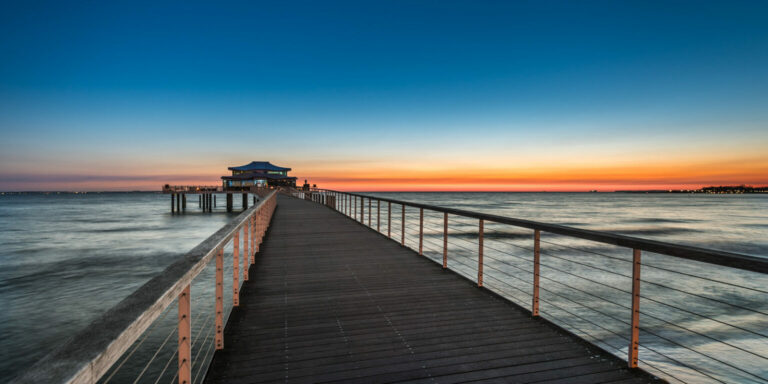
x=734, y=189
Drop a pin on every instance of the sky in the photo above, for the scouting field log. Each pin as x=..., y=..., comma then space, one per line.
x=385, y=95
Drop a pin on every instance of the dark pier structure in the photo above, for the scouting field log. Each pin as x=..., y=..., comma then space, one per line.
x=256, y=178
x=206, y=200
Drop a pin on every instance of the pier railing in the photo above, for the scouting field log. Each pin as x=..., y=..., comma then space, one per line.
x=684, y=313
x=107, y=349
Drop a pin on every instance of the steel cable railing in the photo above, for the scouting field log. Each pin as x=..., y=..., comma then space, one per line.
x=124, y=344
x=136, y=346
x=688, y=275
x=672, y=288
x=595, y=296
x=154, y=356
x=689, y=332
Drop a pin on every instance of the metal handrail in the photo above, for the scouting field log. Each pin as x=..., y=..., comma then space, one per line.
x=723, y=258
x=353, y=205
x=90, y=353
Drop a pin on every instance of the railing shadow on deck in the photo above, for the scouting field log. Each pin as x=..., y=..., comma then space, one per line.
x=106, y=350
x=683, y=313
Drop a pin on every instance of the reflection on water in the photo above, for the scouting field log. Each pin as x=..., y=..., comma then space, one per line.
x=64, y=259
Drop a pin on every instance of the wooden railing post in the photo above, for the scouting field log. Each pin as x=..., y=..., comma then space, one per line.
x=362, y=211
x=536, y=258
x=480, y=256
x=253, y=224
x=220, y=299
x=389, y=219
x=185, y=337
x=246, y=256
x=445, y=240
x=421, y=231
x=378, y=216
x=236, y=270
x=402, y=227
x=634, y=344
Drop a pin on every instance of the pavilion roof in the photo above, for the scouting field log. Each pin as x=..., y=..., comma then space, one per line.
x=259, y=166
x=256, y=175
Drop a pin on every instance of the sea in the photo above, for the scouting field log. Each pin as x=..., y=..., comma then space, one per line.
x=67, y=257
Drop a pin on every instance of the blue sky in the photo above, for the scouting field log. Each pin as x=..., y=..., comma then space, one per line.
x=137, y=89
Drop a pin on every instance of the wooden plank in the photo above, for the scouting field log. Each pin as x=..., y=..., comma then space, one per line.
x=331, y=300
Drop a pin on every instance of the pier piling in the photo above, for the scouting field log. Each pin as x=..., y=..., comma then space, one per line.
x=229, y=202
x=245, y=201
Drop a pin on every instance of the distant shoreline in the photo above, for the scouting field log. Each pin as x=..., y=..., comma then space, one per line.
x=706, y=190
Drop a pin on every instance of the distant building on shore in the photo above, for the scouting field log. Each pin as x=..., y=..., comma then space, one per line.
x=260, y=174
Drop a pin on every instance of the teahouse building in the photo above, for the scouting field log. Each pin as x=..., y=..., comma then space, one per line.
x=260, y=174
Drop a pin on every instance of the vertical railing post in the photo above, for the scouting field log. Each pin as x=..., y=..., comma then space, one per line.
x=634, y=344
x=445, y=240
x=236, y=270
x=402, y=227
x=369, y=212
x=220, y=299
x=480, y=256
x=421, y=231
x=246, y=256
x=362, y=211
x=259, y=227
x=185, y=337
x=253, y=235
x=536, y=258
x=389, y=219
x=378, y=216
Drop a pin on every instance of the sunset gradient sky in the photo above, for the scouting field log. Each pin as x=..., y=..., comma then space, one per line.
x=411, y=95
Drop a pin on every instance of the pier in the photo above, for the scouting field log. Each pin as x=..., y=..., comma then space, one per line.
x=328, y=286
x=329, y=300
x=206, y=196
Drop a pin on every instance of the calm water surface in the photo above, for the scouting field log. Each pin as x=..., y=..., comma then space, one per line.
x=65, y=258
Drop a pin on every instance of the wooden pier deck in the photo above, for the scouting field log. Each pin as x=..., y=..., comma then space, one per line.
x=330, y=300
